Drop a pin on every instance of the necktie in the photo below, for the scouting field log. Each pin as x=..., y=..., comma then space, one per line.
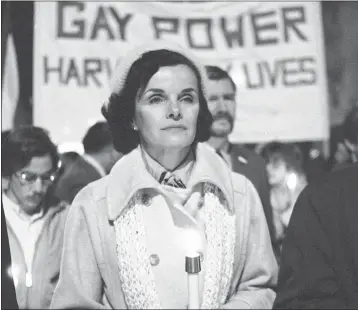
x=170, y=179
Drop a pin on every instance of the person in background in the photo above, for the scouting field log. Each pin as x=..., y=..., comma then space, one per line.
x=319, y=261
x=315, y=165
x=287, y=179
x=222, y=105
x=68, y=158
x=99, y=158
x=347, y=149
x=127, y=234
x=66, y=161
x=35, y=220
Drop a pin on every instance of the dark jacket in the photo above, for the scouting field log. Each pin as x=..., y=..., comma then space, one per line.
x=252, y=166
x=319, y=262
x=8, y=292
x=75, y=177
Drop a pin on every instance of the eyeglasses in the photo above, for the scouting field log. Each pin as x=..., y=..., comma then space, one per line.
x=30, y=178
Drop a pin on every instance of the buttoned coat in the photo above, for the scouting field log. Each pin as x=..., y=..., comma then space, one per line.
x=90, y=276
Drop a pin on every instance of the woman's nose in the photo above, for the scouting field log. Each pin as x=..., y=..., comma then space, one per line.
x=174, y=110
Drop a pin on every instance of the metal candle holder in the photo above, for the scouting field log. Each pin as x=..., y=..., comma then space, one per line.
x=193, y=267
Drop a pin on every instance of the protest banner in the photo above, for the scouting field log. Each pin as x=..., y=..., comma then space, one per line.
x=273, y=50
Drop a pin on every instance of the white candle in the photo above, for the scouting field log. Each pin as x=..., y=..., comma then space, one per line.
x=193, y=267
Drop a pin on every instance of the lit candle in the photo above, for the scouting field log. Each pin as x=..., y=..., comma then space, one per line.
x=193, y=267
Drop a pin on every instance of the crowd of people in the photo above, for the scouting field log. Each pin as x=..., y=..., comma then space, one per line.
x=110, y=228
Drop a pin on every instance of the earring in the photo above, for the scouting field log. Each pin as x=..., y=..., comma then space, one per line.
x=134, y=127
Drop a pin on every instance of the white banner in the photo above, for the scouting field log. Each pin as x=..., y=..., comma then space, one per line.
x=273, y=50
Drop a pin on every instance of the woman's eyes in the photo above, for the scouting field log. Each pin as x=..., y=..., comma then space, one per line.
x=159, y=99
x=156, y=99
x=187, y=98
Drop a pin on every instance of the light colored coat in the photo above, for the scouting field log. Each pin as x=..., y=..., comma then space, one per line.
x=90, y=276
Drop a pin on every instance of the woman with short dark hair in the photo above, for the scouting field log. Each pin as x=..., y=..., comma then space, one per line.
x=120, y=110
x=128, y=234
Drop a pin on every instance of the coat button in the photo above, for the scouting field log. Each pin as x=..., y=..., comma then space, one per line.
x=154, y=259
x=146, y=200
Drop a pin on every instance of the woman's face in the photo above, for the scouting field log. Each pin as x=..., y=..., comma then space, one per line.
x=167, y=111
x=276, y=170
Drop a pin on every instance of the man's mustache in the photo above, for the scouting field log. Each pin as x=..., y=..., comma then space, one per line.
x=221, y=115
x=36, y=196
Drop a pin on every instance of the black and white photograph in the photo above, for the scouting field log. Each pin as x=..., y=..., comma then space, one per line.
x=179, y=154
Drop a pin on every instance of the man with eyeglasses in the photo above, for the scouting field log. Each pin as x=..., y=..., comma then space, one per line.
x=35, y=221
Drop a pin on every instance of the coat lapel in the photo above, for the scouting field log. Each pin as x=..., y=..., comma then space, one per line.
x=129, y=175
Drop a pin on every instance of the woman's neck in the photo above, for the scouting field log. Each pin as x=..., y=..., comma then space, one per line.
x=170, y=159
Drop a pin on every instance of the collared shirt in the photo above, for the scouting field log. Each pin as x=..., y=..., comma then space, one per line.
x=226, y=157
x=92, y=161
x=26, y=228
x=178, y=196
x=156, y=169
x=224, y=153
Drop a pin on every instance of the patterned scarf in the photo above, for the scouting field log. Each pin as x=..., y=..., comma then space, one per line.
x=176, y=177
x=170, y=179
